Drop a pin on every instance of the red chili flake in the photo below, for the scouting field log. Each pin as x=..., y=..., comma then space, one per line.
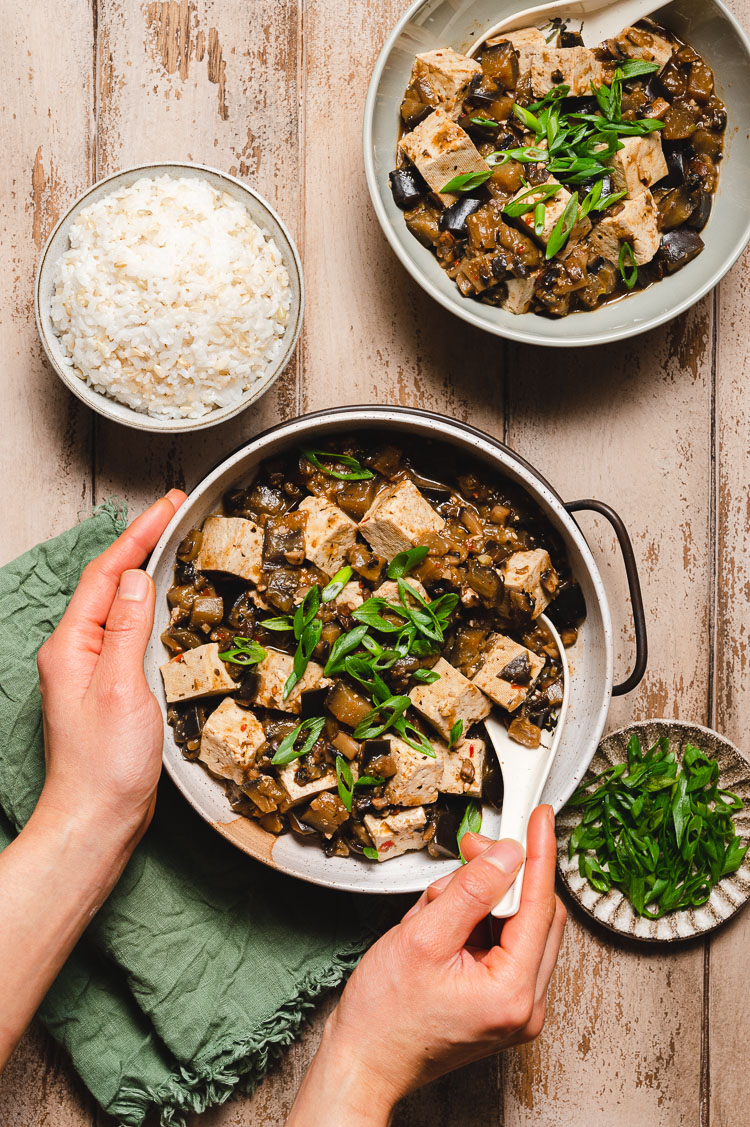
x=206, y=591
x=386, y=845
x=243, y=727
x=179, y=657
x=471, y=751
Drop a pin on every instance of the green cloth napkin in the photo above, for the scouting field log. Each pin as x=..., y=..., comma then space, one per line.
x=203, y=964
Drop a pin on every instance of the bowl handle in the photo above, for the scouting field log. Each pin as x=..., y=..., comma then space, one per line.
x=634, y=587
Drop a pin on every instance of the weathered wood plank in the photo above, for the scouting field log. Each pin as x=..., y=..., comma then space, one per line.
x=45, y=453
x=729, y=1022
x=213, y=82
x=46, y=106
x=371, y=334
x=633, y=428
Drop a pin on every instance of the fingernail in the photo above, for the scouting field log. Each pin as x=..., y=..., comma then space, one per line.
x=134, y=585
x=485, y=841
x=507, y=855
x=175, y=498
x=551, y=816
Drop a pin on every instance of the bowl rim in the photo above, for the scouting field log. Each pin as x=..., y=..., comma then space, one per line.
x=375, y=416
x=106, y=406
x=510, y=332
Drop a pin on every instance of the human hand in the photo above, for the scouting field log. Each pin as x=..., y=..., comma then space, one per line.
x=434, y=993
x=102, y=725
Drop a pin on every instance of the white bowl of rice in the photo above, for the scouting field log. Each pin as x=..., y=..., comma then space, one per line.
x=169, y=297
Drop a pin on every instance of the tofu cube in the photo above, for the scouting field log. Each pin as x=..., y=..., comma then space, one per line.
x=273, y=672
x=508, y=672
x=299, y=793
x=576, y=67
x=441, y=150
x=398, y=519
x=520, y=293
x=532, y=575
x=351, y=597
x=233, y=545
x=451, y=698
x=553, y=209
x=390, y=592
x=398, y=833
x=329, y=534
x=442, y=78
x=636, y=222
x=463, y=768
x=637, y=43
x=230, y=740
x=196, y=673
x=639, y=164
x=417, y=776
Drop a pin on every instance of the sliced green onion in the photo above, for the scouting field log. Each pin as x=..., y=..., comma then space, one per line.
x=627, y=265
x=333, y=589
x=357, y=472
x=470, y=823
x=287, y=751
x=466, y=181
x=245, y=652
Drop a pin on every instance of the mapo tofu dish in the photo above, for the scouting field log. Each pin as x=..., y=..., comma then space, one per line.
x=341, y=628
x=548, y=177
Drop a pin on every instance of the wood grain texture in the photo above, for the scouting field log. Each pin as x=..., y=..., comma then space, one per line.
x=728, y=1030
x=633, y=429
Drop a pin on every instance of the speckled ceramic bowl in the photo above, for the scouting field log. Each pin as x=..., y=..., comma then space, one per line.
x=430, y=24
x=612, y=909
x=590, y=659
x=260, y=211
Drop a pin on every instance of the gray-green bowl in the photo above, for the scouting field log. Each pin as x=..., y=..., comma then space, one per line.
x=429, y=24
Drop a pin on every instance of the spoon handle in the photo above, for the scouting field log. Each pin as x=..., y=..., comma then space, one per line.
x=518, y=803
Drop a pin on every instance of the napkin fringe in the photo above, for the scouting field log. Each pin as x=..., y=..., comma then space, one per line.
x=198, y=1088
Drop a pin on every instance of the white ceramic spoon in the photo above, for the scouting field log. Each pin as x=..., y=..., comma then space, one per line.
x=525, y=772
x=601, y=18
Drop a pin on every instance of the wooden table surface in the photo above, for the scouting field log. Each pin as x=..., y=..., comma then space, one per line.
x=273, y=91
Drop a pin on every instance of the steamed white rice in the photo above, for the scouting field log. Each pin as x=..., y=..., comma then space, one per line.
x=170, y=298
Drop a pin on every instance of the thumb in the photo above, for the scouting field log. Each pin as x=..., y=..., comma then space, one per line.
x=128, y=627
x=472, y=893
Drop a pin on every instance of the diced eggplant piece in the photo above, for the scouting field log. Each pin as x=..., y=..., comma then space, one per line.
x=273, y=823
x=366, y=563
x=178, y=639
x=325, y=813
x=248, y=690
x=377, y=758
x=570, y=39
x=453, y=219
x=189, y=724
x=678, y=248
x=700, y=216
x=282, y=586
x=347, y=705
x=707, y=145
x=312, y=703
x=298, y=827
x=407, y=187
x=265, y=792
x=190, y=546
x=675, y=157
x=492, y=781
x=208, y=610
x=284, y=539
x=517, y=671
x=243, y=613
x=485, y=581
x=268, y=499
x=422, y=221
x=500, y=62
x=356, y=497
x=444, y=841
x=568, y=608
x=675, y=208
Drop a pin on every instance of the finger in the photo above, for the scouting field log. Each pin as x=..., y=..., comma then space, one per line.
x=96, y=590
x=470, y=895
x=524, y=935
x=551, y=950
x=474, y=844
x=127, y=631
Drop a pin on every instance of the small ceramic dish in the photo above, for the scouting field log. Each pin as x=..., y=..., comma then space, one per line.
x=613, y=910
x=429, y=24
x=260, y=211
